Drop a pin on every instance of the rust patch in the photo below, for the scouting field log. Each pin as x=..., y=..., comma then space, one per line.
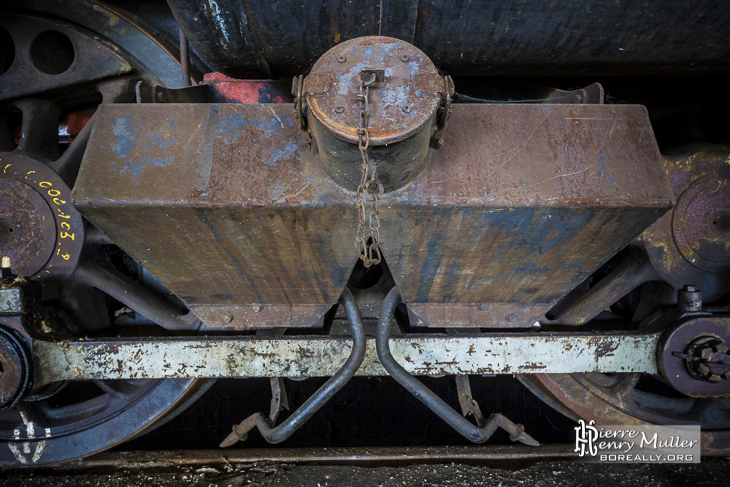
x=371, y=41
x=605, y=348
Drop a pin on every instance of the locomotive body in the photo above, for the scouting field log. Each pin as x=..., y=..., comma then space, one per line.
x=169, y=217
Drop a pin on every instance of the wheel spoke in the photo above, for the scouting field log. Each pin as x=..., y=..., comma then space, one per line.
x=674, y=406
x=84, y=417
x=39, y=130
x=117, y=388
x=118, y=90
x=94, y=236
x=67, y=166
x=29, y=413
x=625, y=384
x=624, y=389
x=74, y=412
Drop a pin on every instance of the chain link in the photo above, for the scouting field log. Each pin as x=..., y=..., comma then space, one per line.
x=370, y=187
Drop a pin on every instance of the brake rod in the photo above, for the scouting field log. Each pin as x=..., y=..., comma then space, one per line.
x=478, y=433
x=277, y=434
x=313, y=356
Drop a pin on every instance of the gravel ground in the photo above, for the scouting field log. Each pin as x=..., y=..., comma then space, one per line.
x=711, y=472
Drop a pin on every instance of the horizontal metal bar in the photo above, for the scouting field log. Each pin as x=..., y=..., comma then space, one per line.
x=170, y=460
x=546, y=353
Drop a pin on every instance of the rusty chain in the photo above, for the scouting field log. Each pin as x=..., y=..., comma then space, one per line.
x=369, y=180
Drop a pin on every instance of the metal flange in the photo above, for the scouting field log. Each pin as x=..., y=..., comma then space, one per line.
x=15, y=370
x=688, y=355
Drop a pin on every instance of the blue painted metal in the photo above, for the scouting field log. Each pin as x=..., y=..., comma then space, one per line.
x=249, y=231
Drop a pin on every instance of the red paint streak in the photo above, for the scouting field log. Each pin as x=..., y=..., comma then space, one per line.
x=70, y=124
x=234, y=90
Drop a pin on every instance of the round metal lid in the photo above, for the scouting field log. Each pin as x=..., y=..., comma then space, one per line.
x=403, y=100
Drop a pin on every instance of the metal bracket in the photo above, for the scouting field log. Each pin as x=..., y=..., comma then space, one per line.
x=592, y=95
x=300, y=109
x=444, y=113
x=147, y=93
x=468, y=404
x=366, y=76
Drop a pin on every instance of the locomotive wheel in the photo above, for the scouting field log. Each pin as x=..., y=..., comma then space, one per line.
x=56, y=70
x=640, y=398
x=633, y=399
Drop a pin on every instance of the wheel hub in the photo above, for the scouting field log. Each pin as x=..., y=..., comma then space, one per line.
x=40, y=231
x=693, y=357
x=707, y=359
x=702, y=223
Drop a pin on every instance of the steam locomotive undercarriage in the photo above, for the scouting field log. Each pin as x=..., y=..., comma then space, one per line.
x=160, y=229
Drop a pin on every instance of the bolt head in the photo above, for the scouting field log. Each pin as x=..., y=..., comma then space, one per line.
x=341, y=59
x=706, y=353
x=714, y=378
x=703, y=370
x=339, y=109
x=407, y=109
x=405, y=58
x=228, y=317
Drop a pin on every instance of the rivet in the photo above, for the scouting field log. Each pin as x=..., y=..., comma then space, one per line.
x=407, y=109
x=342, y=59
x=339, y=109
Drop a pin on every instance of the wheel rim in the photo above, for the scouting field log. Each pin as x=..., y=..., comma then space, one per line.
x=641, y=398
x=634, y=399
x=72, y=67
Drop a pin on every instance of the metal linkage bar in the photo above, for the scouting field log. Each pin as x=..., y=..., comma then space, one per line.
x=277, y=434
x=246, y=356
x=133, y=295
x=184, y=58
x=477, y=434
x=632, y=270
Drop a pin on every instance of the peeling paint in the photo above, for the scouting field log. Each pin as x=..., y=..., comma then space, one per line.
x=322, y=356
